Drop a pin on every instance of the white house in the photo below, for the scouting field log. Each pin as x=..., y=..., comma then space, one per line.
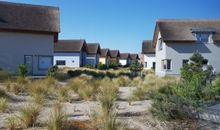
x=148, y=51
x=125, y=59
x=177, y=40
x=70, y=53
x=27, y=36
x=93, y=54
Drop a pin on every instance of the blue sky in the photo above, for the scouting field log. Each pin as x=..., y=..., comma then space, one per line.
x=123, y=24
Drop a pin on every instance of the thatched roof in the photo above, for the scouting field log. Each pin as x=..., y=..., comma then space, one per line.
x=26, y=17
x=135, y=57
x=70, y=46
x=114, y=53
x=180, y=30
x=93, y=48
x=105, y=52
x=147, y=47
x=125, y=56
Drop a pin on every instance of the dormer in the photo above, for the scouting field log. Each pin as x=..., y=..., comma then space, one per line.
x=203, y=36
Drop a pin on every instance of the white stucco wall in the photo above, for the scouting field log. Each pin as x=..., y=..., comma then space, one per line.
x=14, y=45
x=73, y=60
x=149, y=58
x=160, y=55
x=123, y=62
x=177, y=52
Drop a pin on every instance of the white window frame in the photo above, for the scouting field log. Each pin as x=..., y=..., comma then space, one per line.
x=164, y=64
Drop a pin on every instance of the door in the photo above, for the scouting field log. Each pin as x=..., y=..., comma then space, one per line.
x=154, y=65
x=28, y=60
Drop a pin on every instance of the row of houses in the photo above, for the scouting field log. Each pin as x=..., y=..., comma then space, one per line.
x=79, y=53
x=29, y=34
x=175, y=41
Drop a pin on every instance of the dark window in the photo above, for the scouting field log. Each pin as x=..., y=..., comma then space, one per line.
x=160, y=44
x=166, y=64
x=154, y=65
x=185, y=61
x=145, y=64
x=60, y=62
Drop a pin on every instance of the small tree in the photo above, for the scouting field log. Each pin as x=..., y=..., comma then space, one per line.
x=136, y=67
x=22, y=70
x=197, y=70
x=52, y=71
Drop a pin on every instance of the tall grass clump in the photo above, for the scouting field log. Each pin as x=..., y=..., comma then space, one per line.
x=106, y=119
x=41, y=89
x=3, y=93
x=122, y=81
x=3, y=104
x=63, y=94
x=13, y=123
x=29, y=114
x=18, y=85
x=85, y=86
x=4, y=75
x=57, y=118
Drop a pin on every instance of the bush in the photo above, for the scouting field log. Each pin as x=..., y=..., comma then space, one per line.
x=102, y=66
x=136, y=67
x=3, y=104
x=52, y=71
x=89, y=66
x=113, y=65
x=4, y=75
x=29, y=114
x=23, y=70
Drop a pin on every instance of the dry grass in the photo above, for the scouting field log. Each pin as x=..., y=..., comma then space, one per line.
x=29, y=114
x=3, y=104
x=57, y=118
x=17, y=86
x=122, y=81
x=151, y=83
x=13, y=123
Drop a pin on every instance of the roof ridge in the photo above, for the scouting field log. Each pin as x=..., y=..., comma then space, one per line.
x=187, y=20
x=28, y=5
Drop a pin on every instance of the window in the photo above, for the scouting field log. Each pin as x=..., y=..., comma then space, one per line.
x=160, y=44
x=166, y=64
x=45, y=62
x=203, y=37
x=145, y=64
x=60, y=62
x=154, y=65
x=185, y=61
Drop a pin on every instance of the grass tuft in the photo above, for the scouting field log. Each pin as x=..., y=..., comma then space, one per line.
x=3, y=104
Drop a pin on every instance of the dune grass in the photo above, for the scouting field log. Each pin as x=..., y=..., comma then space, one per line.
x=3, y=105
x=29, y=113
x=57, y=118
x=13, y=123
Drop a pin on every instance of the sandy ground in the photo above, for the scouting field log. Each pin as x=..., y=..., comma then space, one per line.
x=80, y=110
x=135, y=115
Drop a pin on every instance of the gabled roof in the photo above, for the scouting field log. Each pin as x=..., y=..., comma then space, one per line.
x=105, y=52
x=180, y=30
x=125, y=56
x=147, y=47
x=93, y=48
x=135, y=57
x=26, y=17
x=70, y=45
x=114, y=53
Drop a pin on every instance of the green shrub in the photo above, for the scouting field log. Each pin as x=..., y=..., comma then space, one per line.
x=113, y=65
x=52, y=71
x=89, y=66
x=4, y=75
x=101, y=66
x=23, y=70
x=136, y=67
